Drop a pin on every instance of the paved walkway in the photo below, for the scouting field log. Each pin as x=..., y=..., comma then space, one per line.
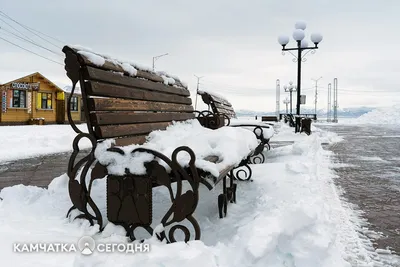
x=38, y=171
x=370, y=176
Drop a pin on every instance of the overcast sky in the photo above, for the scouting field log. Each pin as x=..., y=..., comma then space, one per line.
x=233, y=44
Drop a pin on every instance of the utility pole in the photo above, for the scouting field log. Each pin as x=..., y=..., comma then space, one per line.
x=335, y=100
x=197, y=90
x=328, y=113
x=155, y=58
x=278, y=97
x=316, y=93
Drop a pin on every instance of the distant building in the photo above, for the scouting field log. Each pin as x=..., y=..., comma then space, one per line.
x=33, y=98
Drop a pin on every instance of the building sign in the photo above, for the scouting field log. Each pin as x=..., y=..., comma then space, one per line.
x=29, y=96
x=302, y=99
x=25, y=86
x=4, y=101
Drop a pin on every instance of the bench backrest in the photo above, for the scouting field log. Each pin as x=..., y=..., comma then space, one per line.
x=218, y=104
x=125, y=103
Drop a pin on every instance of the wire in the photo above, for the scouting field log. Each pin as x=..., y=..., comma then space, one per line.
x=28, y=28
x=26, y=40
x=15, y=29
x=30, y=51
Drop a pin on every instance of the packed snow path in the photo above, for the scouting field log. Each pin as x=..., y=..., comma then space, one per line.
x=291, y=215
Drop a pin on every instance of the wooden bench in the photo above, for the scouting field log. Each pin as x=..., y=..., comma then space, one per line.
x=126, y=104
x=222, y=114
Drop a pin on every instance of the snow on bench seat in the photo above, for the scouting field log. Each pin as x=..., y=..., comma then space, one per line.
x=231, y=145
x=268, y=130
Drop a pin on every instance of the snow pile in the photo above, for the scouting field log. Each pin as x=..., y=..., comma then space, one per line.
x=129, y=67
x=19, y=142
x=231, y=145
x=386, y=115
x=291, y=215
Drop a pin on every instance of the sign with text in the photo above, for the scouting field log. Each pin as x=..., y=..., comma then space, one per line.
x=4, y=101
x=29, y=98
x=26, y=86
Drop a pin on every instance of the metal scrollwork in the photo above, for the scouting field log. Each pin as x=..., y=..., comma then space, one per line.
x=208, y=119
x=257, y=159
x=242, y=173
x=79, y=192
x=133, y=208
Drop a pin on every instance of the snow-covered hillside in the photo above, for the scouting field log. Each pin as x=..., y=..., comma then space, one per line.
x=386, y=115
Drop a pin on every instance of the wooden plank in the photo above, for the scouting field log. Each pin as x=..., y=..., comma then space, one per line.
x=110, y=131
x=117, y=91
x=219, y=105
x=114, y=104
x=116, y=78
x=126, y=141
x=123, y=117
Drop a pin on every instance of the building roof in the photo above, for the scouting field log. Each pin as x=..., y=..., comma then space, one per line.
x=40, y=77
x=68, y=89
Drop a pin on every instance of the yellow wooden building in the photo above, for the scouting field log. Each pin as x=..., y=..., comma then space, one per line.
x=35, y=98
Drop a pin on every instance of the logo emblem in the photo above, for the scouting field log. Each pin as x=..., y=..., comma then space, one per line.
x=86, y=245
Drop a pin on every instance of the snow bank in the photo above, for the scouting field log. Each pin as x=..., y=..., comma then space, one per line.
x=291, y=215
x=230, y=144
x=19, y=142
x=386, y=115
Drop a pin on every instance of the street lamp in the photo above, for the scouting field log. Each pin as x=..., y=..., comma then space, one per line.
x=291, y=88
x=302, y=45
x=157, y=57
x=286, y=102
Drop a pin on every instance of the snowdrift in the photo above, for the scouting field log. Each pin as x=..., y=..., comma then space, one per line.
x=386, y=115
x=291, y=215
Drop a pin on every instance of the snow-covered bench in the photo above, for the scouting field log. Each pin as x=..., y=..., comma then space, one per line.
x=223, y=114
x=144, y=135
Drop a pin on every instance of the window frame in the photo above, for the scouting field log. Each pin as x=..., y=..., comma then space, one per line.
x=74, y=104
x=18, y=97
x=45, y=101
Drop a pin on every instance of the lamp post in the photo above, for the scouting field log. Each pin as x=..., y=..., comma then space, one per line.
x=155, y=58
x=286, y=102
x=291, y=88
x=302, y=45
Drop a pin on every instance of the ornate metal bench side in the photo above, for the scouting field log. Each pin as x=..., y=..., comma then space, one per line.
x=129, y=197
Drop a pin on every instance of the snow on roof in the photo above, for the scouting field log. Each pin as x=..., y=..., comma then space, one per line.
x=129, y=67
x=68, y=89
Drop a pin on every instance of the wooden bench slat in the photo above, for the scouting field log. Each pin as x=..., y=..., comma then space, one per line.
x=126, y=141
x=114, y=104
x=116, y=78
x=110, y=131
x=228, y=108
x=111, y=90
x=132, y=117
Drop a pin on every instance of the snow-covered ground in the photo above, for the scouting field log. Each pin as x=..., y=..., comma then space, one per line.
x=19, y=142
x=291, y=215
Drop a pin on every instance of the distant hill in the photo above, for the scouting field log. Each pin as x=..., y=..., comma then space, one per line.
x=342, y=112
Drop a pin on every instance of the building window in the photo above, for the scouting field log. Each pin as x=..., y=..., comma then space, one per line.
x=19, y=99
x=46, y=100
x=74, y=103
